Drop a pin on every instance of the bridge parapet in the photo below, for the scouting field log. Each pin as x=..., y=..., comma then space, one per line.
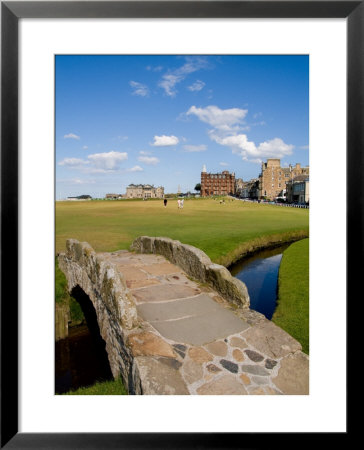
x=197, y=265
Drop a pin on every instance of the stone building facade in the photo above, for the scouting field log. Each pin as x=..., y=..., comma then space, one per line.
x=217, y=183
x=249, y=189
x=239, y=184
x=274, y=178
x=144, y=191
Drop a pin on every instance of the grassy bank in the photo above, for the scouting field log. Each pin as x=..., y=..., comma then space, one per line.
x=223, y=231
x=114, y=387
x=292, y=312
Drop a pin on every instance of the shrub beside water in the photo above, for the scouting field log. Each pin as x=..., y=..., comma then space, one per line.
x=63, y=297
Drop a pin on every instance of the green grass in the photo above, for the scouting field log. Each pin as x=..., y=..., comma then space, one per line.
x=223, y=231
x=114, y=387
x=292, y=312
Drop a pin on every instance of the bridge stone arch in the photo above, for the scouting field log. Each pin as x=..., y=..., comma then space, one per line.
x=115, y=310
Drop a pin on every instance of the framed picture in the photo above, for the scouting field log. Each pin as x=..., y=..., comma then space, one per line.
x=17, y=55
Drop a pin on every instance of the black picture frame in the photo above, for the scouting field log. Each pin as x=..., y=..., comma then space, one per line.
x=11, y=12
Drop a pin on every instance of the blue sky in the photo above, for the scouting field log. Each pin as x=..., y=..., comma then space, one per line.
x=158, y=119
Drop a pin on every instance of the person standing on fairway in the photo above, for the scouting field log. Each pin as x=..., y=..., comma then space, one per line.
x=165, y=202
x=179, y=203
x=182, y=202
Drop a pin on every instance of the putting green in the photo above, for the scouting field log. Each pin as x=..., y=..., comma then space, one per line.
x=223, y=230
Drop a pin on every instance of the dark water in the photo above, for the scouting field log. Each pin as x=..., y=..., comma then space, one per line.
x=81, y=359
x=260, y=274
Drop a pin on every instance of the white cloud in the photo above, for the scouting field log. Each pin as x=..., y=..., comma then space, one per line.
x=196, y=86
x=274, y=148
x=224, y=164
x=227, y=127
x=165, y=141
x=220, y=119
x=97, y=162
x=107, y=161
x=85, y=147
x=168, y=83
x=195, y=148
x=71, y=136
x=144, y=153
x=79, y=181
x=173, y=77
x=150, y=160
x=139, y=89
x=155, y=68
x=73, y=162
x=256, y=115
x=135, y=169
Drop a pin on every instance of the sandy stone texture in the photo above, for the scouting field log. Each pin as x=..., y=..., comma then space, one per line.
x=271, y=340
x=238, y=355
x=218, y=348
x=237, y=342
x=135, y=284
x=199, y=355
x=293, y=375
x=225, y=385
x=159, y=379
x=192, y=371
x=144, y=344
x=161, y=269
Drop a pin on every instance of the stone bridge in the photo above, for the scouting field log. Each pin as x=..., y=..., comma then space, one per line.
x=175, y=323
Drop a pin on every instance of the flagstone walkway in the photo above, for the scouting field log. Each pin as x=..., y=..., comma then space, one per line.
x=192, y=341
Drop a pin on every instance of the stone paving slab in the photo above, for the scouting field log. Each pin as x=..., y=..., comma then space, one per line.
x=272, y=340
x=126, y=258
x=196, y=306
x=164, y=292
x=161, y=268
x=132, y=273
x=179, y=278
x=136, y=284
x=198, y=330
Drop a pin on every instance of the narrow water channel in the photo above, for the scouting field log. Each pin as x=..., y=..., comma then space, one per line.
x=260, y=274
x=80, y=361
